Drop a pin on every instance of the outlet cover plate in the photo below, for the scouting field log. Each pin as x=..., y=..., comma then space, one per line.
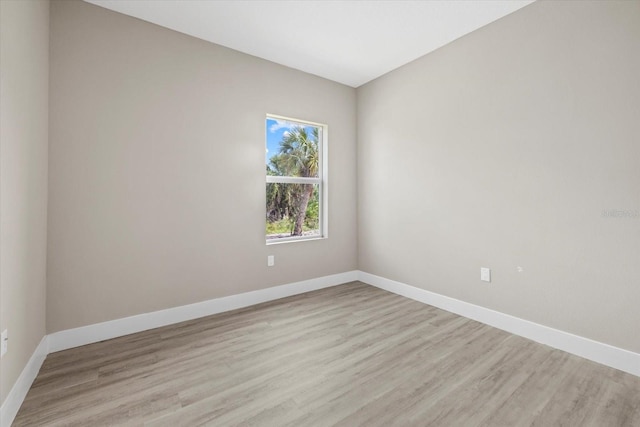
x=4, y=342
x=485, y=274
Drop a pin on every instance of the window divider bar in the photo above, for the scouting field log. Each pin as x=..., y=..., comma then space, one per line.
x=293, y=180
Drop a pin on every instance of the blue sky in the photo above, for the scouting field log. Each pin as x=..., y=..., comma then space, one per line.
x=275, y=131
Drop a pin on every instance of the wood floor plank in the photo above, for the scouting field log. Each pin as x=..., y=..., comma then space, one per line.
x=350, y=355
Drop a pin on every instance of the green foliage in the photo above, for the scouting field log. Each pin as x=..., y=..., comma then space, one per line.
x=299, y=153
x=312, y=217
x=285, y=226
x=282, y=226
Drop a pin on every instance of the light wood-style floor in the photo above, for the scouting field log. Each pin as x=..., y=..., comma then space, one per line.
x=351, y=355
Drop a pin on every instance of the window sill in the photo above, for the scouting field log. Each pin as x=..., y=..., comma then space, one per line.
x=293, y=240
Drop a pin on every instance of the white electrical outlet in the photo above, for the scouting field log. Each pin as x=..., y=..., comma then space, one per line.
x=4, y=342
x=271, y=261
x=485, y=274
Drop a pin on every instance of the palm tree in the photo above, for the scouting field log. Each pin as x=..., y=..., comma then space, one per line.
x=299, y=157
x=281, y=198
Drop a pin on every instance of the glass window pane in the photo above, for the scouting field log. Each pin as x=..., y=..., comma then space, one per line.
x=293, y=210
x=292, y=148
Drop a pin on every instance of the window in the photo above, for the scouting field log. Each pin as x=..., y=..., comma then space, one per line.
x=295, y=180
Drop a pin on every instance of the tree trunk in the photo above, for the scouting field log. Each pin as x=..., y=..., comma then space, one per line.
x=302, y=209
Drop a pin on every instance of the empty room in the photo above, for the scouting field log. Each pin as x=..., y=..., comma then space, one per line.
x=319, y=213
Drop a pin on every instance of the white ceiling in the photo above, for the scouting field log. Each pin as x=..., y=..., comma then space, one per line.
x=351, y=42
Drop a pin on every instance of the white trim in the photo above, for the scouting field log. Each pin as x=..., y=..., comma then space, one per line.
x=324, y=185
x=19, y=391
x=293, y=180
x=294, y=121
x=116, y=328
x=290, y=239
x=604, y=354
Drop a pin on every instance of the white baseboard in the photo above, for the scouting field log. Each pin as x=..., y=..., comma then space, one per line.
x=604, y=354
x=21, y=387
x=102, y=331
x=116, y=328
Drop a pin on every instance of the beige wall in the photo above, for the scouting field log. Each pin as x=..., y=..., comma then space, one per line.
x=503, y=149
x=156, y=185
x=24, y=63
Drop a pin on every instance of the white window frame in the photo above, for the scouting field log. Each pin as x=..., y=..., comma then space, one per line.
x=321, y=181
